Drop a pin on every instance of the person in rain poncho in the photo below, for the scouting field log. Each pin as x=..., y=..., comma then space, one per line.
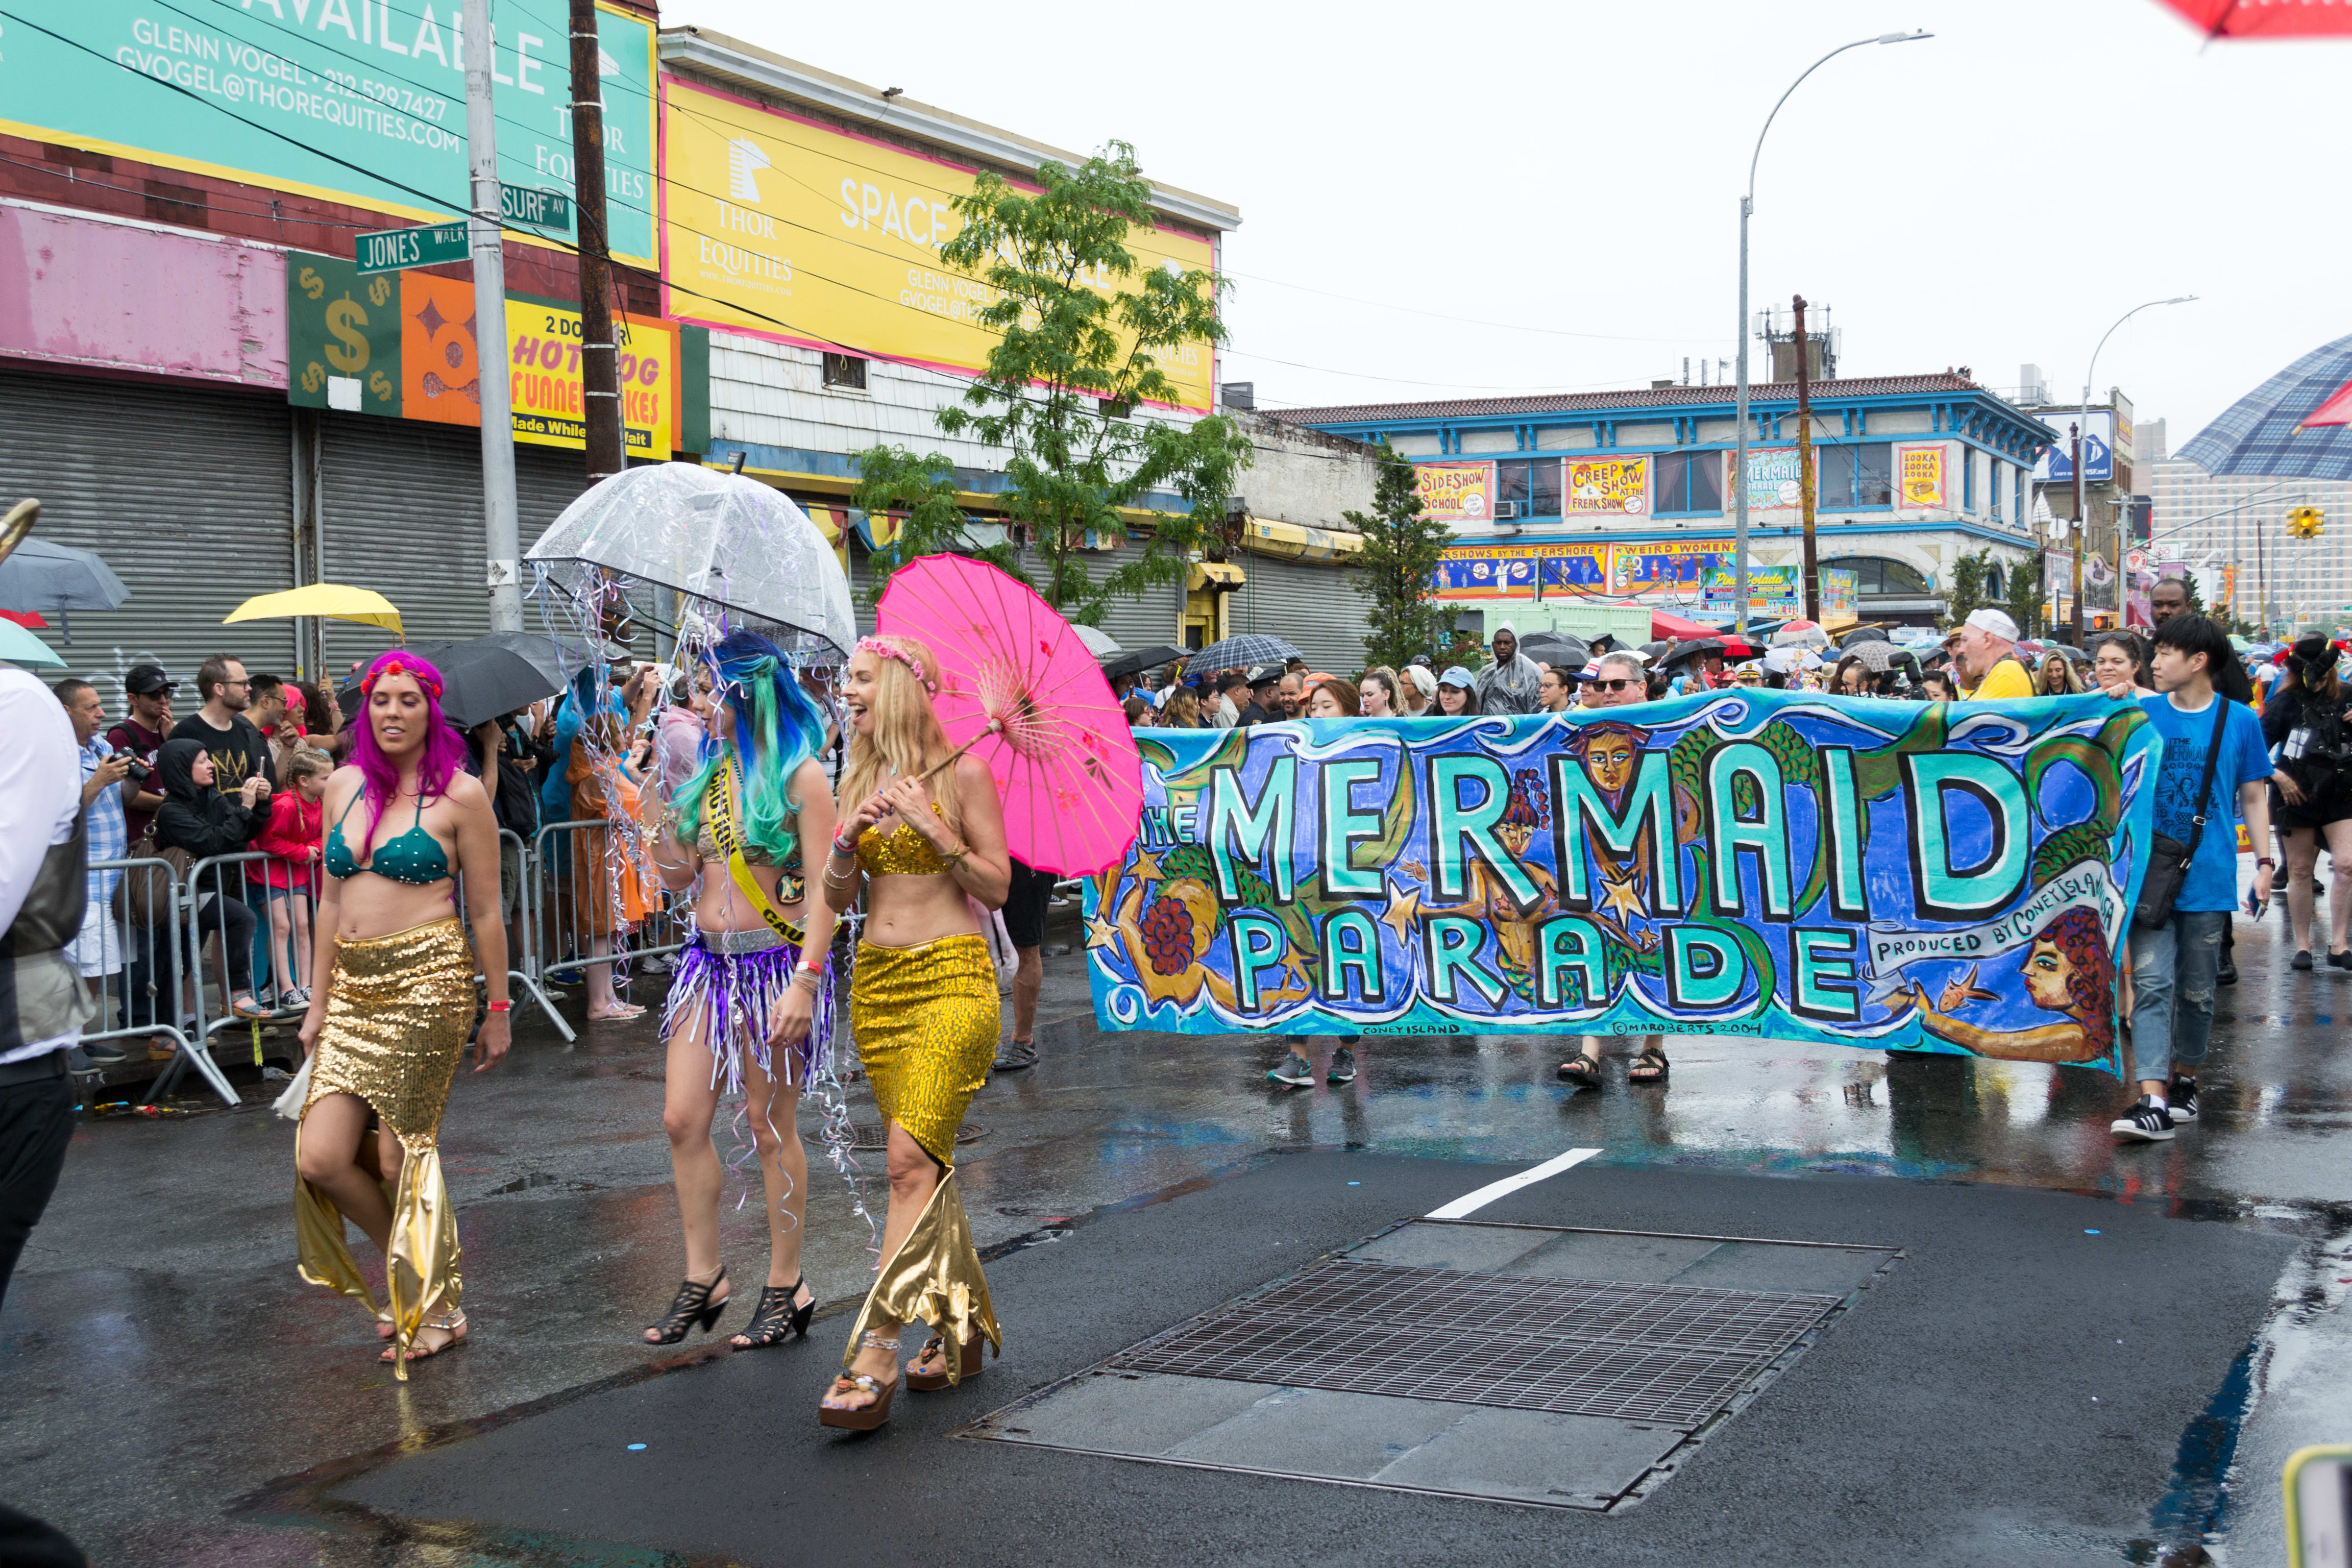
x=1513, y=684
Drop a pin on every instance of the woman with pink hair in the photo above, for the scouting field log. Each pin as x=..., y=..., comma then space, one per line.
x=393, y=1006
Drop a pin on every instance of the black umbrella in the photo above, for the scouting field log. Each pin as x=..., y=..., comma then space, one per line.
x=485, y=677
x=1556, y=648
x=1697, y=647
x=1139, y=660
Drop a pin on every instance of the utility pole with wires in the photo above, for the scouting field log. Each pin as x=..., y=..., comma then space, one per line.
x=1806, y=491
x=600, y=373
x=501, y=532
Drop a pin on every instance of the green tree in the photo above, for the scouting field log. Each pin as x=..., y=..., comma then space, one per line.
x=1968, y=595
x=1398, y=568
x=1082, y=333
x=2025, y=602
x=921, y=492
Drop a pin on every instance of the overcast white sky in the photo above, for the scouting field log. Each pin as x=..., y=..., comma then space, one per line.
x=1995, y=195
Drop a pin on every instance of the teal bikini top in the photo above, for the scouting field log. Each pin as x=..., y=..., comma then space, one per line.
x=415, y=857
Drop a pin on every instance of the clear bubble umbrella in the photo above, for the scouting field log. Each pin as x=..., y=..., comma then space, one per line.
x=732, y=546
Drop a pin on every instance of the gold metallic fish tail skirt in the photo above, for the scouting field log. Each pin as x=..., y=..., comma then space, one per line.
x=925, y=1020
x=399, y=1010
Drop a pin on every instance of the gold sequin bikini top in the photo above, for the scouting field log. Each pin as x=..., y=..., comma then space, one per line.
x=708, y=847
x=901, y=852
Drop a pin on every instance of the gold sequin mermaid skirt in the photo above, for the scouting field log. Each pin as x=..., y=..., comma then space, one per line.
x=399, y=1010
x=925, y=1020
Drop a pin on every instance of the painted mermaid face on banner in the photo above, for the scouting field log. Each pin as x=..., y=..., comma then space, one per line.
x=2048, y=972
x=1610, y=754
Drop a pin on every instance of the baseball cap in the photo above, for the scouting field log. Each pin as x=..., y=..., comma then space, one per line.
x=1994, y=623
x=146, y=679
x=1457, y=677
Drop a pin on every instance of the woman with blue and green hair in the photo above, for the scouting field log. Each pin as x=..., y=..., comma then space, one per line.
x=751, y=1003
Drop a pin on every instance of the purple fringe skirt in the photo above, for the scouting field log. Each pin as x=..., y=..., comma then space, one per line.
x=727, y=985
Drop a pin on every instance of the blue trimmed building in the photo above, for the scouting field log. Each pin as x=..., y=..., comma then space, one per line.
x=1628, y=496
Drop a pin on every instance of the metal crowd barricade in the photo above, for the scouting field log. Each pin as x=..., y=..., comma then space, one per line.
x=138, y=984
x=271, y=943
x=573, y=925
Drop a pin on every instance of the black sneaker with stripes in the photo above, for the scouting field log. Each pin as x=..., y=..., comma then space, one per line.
x=2147, y=1123
x=2181, y=1099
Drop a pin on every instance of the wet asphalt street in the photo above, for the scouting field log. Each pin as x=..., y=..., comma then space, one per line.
x=2084, y=1354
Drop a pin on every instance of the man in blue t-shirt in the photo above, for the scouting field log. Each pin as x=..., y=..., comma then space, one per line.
x=2174, y=965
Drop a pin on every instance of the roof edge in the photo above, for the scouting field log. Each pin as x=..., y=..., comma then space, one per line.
x=720, y=54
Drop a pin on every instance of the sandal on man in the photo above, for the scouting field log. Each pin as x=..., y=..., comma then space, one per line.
x=1650, y=1067
x=1582, y=1070
x=968, y=1365
x=864, y=1417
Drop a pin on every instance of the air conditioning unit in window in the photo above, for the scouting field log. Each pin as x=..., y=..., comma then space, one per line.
x=1504, y=509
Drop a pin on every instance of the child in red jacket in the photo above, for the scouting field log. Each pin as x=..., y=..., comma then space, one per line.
x=292, y=841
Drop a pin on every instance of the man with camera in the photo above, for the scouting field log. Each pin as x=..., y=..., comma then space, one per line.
x=147, y=694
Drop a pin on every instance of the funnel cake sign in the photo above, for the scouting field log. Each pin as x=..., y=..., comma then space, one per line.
x=1893, y=875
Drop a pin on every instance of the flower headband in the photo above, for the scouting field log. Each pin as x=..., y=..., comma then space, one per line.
x=431, y=685
x=881, y=649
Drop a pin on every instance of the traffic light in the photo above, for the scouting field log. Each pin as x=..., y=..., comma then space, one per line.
x=2305, y=521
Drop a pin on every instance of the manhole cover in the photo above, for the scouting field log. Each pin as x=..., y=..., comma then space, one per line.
x=865, y=1137
x=1640, y=1353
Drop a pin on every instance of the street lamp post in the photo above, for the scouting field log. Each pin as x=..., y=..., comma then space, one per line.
x=2082, y=431
x=1747, y=205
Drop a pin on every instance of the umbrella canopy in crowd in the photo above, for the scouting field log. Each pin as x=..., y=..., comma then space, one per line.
x=1556, y=648
x=1018, y=689
x=1099, y=643
x=719, y=538
x=18, y=646
x=485, y=677
x=1240, y=652
x=40, y=576
x=1801, y=633
x=2271, y=430
x=327, y=601
x=1141, y=660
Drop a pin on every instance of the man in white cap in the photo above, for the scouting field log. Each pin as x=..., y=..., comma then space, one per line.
x=1985, y=656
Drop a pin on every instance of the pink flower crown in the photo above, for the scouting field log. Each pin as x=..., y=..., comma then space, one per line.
x=881, y=649
x=431, y=685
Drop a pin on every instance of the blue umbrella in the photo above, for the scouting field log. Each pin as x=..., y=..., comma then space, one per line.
x=2261, y=433
x=18, y=646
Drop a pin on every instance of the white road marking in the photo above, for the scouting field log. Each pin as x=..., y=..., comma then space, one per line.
x=1469, y=1201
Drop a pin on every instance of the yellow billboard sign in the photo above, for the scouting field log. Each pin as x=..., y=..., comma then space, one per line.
x=1922, y=471
x=785, y=228
x=1457, y=492
x=1608, y=486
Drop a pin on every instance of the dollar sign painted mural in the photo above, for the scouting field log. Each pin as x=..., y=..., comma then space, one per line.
x=344, y=318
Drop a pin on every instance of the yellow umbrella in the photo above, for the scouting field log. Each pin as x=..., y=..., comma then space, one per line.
x=334, y=600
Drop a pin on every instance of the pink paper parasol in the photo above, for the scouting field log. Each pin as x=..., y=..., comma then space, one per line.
x=1019, y=690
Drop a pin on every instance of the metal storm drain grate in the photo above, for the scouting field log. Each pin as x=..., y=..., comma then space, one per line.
x=1670, y=1353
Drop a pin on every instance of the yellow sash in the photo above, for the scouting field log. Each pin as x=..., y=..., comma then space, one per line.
x=719, y=810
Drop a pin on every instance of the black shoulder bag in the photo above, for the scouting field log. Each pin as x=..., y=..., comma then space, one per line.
x=2168, y=859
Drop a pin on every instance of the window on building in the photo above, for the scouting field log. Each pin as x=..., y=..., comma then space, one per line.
x=1877, y=574
x=1969, y=461
x=1996, y=587
x=845, y=370
x=1688, y=482
x=2025, y=515
x=1534, y=486
x=1873, y=474
x=1995, y=486
x=1833, y=477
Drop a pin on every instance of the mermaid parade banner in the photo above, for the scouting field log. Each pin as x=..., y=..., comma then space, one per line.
x=1896, y=875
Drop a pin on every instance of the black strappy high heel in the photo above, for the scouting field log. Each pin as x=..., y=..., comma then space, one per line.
x=776, y=1314
x=691, y=1306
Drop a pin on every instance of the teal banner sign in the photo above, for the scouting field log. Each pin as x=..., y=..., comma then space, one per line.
x=358, y=101
x=1893, y=875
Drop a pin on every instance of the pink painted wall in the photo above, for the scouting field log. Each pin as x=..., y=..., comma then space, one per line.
x=107, y=296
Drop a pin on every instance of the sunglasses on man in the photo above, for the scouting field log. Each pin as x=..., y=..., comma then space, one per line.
x=1616, y=685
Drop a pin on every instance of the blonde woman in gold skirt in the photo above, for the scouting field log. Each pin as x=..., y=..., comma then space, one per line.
x=393, y=1006
x=926, y=840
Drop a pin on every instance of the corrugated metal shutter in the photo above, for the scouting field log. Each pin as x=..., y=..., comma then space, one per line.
x=1313, y=604
x=402, y=513
x=187, y=492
